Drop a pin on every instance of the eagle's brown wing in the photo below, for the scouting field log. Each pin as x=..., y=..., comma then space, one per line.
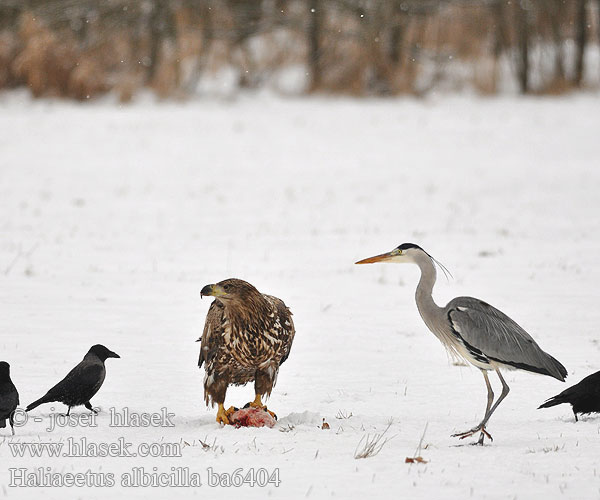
x=212, y=336
x=284, y=326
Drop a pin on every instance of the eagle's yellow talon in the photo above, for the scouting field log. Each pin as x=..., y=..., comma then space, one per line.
x=257, y=403
x=223, y=414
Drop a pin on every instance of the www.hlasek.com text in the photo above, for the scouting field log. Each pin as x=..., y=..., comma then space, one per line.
x=82, y=447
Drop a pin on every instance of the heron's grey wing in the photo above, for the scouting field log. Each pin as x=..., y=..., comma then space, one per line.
x=212, y=336
x=485, y=329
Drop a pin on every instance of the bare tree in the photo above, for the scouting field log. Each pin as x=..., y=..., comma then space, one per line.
x=580, y=40
x=315, y=15
x=247, y=16
x=81, y=48
x=162, y=28
x=555, y=10
x=522, y=27
x=501, y=39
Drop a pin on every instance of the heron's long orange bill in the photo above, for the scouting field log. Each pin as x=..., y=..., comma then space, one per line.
x=378, y=258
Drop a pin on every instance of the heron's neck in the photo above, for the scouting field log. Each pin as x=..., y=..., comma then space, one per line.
x=424, y=293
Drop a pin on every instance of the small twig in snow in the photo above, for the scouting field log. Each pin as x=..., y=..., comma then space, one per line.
x=20, y=254
x=343, y=415
x=372, y=445
x=417, y=455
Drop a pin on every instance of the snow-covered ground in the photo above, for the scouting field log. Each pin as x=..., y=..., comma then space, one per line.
x=112, y=219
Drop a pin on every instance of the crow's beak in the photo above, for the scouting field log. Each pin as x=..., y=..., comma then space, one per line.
x=377, y=258
x=113, y=355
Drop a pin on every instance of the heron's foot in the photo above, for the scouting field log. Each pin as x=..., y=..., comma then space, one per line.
x=257, y=403
x=481, y=429
x=223, y=414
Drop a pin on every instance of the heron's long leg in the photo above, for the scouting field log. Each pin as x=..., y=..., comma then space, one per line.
x=481, y=427
x=490, y=398
x=505, y=391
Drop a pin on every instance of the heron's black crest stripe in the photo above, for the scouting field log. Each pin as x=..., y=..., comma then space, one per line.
x=406, y=246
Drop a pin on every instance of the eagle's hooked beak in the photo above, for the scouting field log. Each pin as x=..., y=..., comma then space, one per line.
x=212, y=291
x=384, y=257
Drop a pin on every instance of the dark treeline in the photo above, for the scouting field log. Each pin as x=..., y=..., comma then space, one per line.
x=84, y=48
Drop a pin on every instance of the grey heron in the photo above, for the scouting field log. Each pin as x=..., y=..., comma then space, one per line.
x=474, y=331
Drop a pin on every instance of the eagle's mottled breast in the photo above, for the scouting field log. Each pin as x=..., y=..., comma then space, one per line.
x=246, y=336
x=258, y=340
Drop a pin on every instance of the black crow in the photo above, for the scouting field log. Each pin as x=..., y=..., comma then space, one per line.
x=9, y=397
x=584, y=397
x=81, y=383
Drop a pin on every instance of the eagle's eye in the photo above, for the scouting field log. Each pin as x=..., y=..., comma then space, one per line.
x=227, y=287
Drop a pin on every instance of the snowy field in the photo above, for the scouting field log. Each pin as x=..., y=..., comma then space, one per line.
x=113, y=219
